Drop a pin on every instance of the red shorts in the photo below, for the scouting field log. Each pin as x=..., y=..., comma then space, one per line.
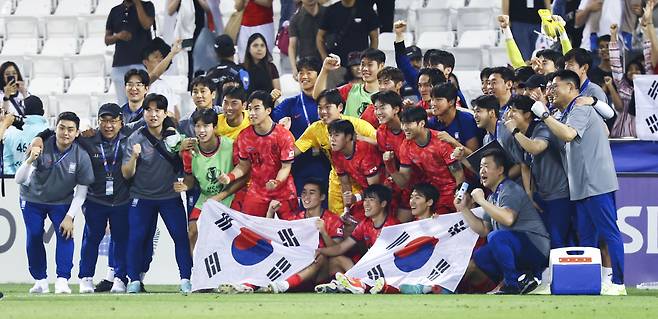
x=257, y=206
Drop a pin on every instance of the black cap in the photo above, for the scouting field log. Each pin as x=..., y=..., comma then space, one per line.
x=535, y=81
x=414, y=52
x=110, y=109
x=354, y=58
x=33, y=105
x=224, y=46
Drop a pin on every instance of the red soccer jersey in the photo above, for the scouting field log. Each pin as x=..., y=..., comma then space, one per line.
x=332, y=223
x=369, y=116
x=431, y=161
x=367, y=232
x=365, y=162
x=423, y=104
x=389, y=141
x=267, y=153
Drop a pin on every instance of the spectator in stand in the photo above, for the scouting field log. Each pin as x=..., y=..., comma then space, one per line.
x=263, y=74
x=567, y=10
x=225, y=50
x=353, y=74
x=13, y=89
x=258, y=17
x=385, y=11
x=484, y=80
x=521, y=75
x=153, y=55
x=347, y=26
x=525, y=22
x=587, y=16
x=16, y=141
x=631, y=11
x=599, y=72
x=303, y=28
x=137, y=84
x=129, y=27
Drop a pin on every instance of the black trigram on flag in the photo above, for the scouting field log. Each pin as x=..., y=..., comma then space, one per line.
x=288, y=237
x=279, y=269
x=652, y=123
x=398, y=241
x=457, y=228
x=212, y=265
x=376, y=273
x=439, y=269
x=653, y=90
x=224, y=222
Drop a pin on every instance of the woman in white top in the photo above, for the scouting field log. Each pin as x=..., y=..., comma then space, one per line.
x=13, y=88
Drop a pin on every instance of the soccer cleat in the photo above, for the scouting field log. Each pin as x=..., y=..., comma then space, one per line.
x=379, y=286
x=185, y=286
x=610, y=289
x=62, y=286
x=526, y=283
x=118, y=287
x=103, y=286
x=352, y=285
x=141, y=287
x=278, y=287
x=40, y=287
x=330, y=288
x=134, y=287
x=544, y=288
x=232, y=289
x=87, y=285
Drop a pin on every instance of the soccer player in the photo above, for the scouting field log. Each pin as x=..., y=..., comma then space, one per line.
x=203, y=96
x=390, y=79
x=67, y=166
x=203, y=164
x=330, y=107
x=456, y=127
x=356, y=162
x=518, y=244
x=590, y=171
x=153, y=170
x=548, y=184
x=235, y=118
x=426, y=153
x=331, y=233
x=376, y=203
x=427, y=79
x=356, y=96
x=266, y=150
x=137, y=84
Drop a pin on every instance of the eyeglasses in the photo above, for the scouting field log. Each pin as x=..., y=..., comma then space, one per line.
x=132, y=85
x=111, y=122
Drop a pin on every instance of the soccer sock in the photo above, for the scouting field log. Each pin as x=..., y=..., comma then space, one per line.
x=607, y=274
x=110, y=274
x=141, y=276
x=294, y=281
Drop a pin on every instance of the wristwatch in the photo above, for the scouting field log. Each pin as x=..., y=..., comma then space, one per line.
x=595, y=101
x=545, y=115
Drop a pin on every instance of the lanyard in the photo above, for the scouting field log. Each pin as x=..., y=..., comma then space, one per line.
x=64, y=155
x=494, y=196
x=568, y=109
x=584, y=86
x=108, y=168
x=301, y=98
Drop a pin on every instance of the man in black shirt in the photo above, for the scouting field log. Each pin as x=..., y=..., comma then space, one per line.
x=129, y=27
x=226, y=69
x=524, y=22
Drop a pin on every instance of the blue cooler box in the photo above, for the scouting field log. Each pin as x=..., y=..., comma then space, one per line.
x=575, y=271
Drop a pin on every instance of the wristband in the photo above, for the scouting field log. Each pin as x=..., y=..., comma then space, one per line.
x=4, y=98
x=358, y=197
x=231, y=177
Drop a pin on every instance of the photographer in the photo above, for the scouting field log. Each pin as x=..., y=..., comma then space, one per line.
x=16, y=141
x=13, y=88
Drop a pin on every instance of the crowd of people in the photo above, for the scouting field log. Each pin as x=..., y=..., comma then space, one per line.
x=389, y=145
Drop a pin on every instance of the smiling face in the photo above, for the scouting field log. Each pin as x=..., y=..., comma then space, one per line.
x=328, y=112
x=232, y=107
x=413, y=130
x=572, y=65
x=154, y=116
x=633, y=70
x=519, y=117
x=498, y=86
x=385, y=112
x=424, y=87
x=547, y=66
x=204, y=131
x=109, y=126
x=490, y=173
x=66, y=132
x=339, y=141
x=439, y=106
x=483, y=117
x=258, y=49
x=202, y=96
x=312, y=196
x=419, y=204
x=389, y=85
x=258, y=113
x=307, y=78
x=135, y=89
x=563, y=92
x=369, y=70
x=373, y=206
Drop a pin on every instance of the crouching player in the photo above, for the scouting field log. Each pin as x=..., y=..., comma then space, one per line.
x=206, y=161
x=517, y=242
x=331, y=233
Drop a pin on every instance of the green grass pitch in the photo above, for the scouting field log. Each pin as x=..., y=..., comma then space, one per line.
x=165, y=302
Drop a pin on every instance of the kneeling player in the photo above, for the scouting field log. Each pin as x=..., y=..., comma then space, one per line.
x=331, y=233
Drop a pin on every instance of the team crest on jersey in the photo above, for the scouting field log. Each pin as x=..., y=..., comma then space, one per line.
x=212, y=175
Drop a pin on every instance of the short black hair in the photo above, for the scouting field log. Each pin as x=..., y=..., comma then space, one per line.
x=203, y=81
x=428, y=191
x=414, y=114
x=498, y=157
x=603, y=38
x=159, y=100
x=435, y=75
x=264, y=96
x=374, y=55
x=379, y=191
x=236, y=92
x=311, y=63
x=549, y=54
x=69, y=116
x=157, y=44
x=388, y=97
x=523, y=73
x=549, y=77
x=392, y=73
x=208, y=116
x=522, y=102
x=343, y=127
x=317, y=182
x=485, y=73
x=581, y=56
x=332, y=96
x=506, y=73
x=487, y=101
x=142, y=74
x=569, y=76
x=445, y=90
x=436, y=57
